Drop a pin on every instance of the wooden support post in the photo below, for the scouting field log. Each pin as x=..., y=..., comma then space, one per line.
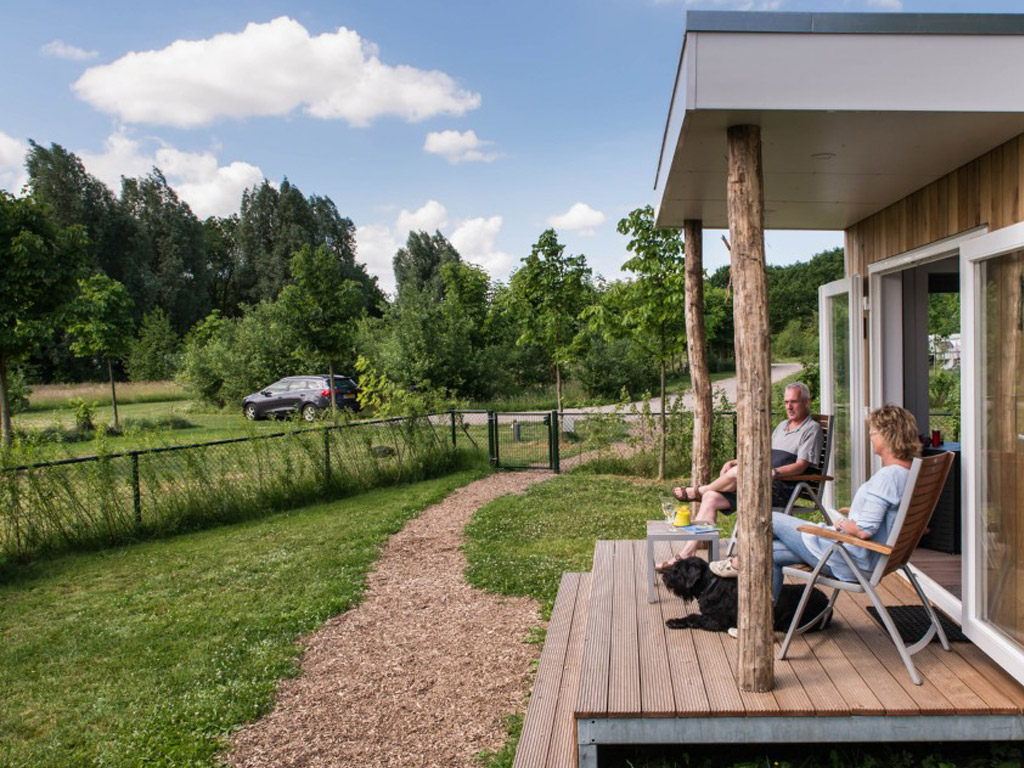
x=696, y=348
x=753, y=363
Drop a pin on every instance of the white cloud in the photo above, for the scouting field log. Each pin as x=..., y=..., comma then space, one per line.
x=580, y=217
x=209, y=188
x=474, y=240
x=58, y=49
x=12, y=163
x=458, y=147
x=430, y=217
x=888, y=5
x=376, y=245
x=269, y=69
x=735, y=5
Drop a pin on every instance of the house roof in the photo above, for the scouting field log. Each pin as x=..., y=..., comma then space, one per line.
x=856, y=110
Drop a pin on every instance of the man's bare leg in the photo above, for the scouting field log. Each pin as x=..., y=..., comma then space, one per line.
x=710, y=505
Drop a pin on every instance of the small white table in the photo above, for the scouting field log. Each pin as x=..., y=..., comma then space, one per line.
x=659, y=530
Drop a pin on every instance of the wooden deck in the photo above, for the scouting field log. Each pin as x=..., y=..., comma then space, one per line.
x=621, y=677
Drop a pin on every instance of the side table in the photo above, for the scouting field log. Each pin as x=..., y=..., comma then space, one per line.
x=659, y=530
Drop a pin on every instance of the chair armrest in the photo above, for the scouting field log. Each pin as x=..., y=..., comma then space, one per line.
x=828, y=533
x=806, y=478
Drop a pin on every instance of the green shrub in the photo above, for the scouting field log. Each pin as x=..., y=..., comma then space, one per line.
x=154, y=355
x=609, y=367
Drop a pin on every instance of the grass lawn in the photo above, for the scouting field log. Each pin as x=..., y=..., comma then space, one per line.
x=520, y=545
x=151, y=654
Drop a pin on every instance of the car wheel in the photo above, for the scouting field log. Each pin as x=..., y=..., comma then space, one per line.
x=250, y=412
x=309, y=412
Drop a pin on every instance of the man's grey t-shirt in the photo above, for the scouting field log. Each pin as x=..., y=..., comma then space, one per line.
x=804, y=442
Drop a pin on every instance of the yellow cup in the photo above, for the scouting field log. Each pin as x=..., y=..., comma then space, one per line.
x=682, y=516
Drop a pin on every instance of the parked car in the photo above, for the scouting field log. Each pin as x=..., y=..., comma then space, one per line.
x=308, y=395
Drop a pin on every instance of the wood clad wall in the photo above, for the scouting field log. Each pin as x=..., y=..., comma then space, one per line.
x=984, y=191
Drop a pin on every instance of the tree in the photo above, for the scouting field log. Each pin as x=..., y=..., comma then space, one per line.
x=651, y=308
x=40, y=264
x=553, y=290
x=101, y=324
x=418, y=265
x=323, y=306
x=153, y=356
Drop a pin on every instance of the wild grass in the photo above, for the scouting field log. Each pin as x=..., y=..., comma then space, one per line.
x=47, y=396
x=152, y=654
x=118, y=498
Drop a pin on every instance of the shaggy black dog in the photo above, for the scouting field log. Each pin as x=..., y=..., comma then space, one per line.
x=691, y=579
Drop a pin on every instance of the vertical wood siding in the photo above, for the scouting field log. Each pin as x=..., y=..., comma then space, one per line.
x=986, y=190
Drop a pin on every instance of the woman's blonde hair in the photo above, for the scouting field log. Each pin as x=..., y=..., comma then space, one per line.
x=898, y=429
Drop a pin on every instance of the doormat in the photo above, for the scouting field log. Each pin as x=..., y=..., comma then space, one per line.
x=912, y=622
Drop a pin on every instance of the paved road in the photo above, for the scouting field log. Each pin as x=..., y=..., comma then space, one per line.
x=779, y=371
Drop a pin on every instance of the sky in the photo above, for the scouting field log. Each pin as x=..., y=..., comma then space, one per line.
x=488, y=121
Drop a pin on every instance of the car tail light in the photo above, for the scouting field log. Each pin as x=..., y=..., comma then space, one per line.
x=325, y=393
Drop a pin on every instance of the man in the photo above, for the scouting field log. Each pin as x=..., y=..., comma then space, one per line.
x=796, y=446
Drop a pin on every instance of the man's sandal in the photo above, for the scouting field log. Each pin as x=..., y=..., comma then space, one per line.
x=687, y=494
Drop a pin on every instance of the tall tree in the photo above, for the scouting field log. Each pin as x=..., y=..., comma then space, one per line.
x=40, y=264
x=651, y=307
x=324, y=306
x=553, y=289
x=101, y=324
x=418, y=265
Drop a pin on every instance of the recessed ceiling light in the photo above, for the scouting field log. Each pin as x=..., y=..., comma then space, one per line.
x=823, y=155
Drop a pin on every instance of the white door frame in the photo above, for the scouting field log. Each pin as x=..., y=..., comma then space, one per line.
x=853, y=288
x=877, y=272
x=990, y=640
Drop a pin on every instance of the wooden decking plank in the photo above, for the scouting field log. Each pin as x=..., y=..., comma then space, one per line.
x=656, y=698
x=592, y=700
x=757, y=704
x=562, y=749
x=890, y=691
x=685, y=669
x=822, y=691
x=928, y=696
x=947, y=670
x=624, y=663
x=857, y=692
x=541, y=712
x=993, y=673
x=789, y=693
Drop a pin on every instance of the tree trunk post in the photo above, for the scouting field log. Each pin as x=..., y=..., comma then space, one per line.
x=753, y=363
x=113, y=392
x=696, y=349
x=661, y=441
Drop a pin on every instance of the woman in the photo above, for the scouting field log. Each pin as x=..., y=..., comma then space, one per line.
x=894, y=439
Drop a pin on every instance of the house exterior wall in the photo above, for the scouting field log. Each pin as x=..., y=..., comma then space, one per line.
x=986, y=190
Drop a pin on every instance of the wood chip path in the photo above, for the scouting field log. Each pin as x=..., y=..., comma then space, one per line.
x=421, y=673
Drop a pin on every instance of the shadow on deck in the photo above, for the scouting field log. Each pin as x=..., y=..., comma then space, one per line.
x=612, y=674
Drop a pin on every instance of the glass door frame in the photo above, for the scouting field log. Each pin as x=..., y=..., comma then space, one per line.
x=1000, y=648
x=852, y=287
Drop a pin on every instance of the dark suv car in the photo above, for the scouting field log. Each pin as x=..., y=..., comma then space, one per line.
x=309, y=395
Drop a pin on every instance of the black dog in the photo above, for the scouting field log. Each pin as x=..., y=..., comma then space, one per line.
x=691, y=579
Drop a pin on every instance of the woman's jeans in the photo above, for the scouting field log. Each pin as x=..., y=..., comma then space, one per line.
x=788, y=548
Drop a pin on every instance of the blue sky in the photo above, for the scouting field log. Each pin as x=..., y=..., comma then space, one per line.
x=489, y=121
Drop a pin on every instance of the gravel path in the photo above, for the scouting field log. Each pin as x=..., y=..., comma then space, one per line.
x=421, y=673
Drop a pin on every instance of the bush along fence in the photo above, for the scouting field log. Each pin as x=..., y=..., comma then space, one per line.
x=106, y=499
x=112, y=498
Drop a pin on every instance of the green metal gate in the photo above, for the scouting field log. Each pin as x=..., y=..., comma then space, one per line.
x=523, y=440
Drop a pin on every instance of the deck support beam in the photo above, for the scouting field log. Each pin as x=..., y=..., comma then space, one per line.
x=745, y=197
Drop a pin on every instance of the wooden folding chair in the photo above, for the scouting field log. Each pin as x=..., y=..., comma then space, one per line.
x=927, y=476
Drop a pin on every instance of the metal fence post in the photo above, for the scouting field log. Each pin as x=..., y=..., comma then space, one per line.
x=136, y=490
x=454, y=446
x=327, y=456
x=555, y=464
x=492, y=437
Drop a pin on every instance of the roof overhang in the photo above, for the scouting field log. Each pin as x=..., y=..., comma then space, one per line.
x=856, y=110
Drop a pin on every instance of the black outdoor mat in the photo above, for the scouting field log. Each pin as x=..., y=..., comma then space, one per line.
x=912, y=622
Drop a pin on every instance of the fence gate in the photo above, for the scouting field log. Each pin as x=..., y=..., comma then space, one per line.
x=523, y=440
